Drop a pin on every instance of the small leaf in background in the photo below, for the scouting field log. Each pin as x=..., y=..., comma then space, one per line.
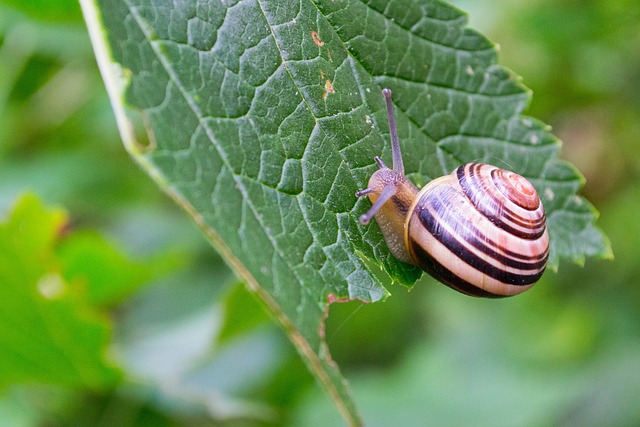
x=55, y=11
x=50, y=333
x=242, y=314
x=106, y=275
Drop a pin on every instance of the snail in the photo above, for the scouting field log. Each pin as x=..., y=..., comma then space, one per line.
x=480, y=230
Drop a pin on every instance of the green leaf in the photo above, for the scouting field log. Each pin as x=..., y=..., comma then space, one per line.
x=263, y=118
x=107, y=274
x=49, y=333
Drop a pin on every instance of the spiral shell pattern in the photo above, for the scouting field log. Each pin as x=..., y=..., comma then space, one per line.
x=480, y=230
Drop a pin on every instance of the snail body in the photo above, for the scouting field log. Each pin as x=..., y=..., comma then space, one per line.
x=480, y=230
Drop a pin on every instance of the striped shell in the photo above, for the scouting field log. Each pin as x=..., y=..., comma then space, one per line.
x=480, y=230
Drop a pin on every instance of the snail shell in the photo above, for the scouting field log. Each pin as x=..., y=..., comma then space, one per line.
x=480, y=230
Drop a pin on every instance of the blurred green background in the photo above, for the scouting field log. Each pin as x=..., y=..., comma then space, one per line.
x=181, y=341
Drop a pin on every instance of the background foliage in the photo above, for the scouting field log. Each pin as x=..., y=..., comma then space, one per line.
x=186, y=337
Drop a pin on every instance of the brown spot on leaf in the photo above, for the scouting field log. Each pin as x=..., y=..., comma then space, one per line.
x=316, y=38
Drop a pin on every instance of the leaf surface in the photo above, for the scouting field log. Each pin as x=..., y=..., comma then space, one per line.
x=264, y=117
